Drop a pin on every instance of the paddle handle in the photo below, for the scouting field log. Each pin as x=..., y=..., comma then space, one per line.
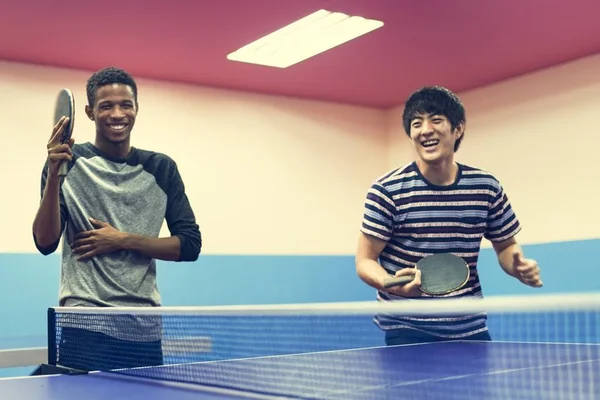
x=397, y=281
x=62, y=168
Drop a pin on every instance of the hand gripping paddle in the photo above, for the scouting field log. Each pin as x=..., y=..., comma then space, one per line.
x=65, y=107
x=440, y=274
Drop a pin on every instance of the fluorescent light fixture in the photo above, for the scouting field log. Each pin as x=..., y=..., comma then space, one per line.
x=305, y=38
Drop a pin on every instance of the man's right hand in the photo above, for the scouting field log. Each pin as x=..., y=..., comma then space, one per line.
x=411, y=289
x=371, y=272
x=57, y=151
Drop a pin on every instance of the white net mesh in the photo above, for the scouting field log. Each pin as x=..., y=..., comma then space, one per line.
x=542, y=347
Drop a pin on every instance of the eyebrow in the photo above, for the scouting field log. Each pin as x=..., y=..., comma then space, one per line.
x=101, y=102
x=434, y=115
x=417, y=118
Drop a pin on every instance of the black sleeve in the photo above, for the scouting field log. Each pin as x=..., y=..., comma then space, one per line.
x=180, y=217
x=179, y=214
x=63, y=216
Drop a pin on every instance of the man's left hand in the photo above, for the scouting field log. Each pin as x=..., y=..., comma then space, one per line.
x=527, y=270
x=104, y=239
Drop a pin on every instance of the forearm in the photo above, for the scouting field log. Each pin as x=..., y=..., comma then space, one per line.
x=167, y=248
x=371, y=273
x=47, y=223
x=506, y=258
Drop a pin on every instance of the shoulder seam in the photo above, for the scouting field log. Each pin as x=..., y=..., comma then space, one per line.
x=385, y=178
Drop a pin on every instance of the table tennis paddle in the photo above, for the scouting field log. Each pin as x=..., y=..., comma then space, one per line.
x=440, y=274
x=65, y=107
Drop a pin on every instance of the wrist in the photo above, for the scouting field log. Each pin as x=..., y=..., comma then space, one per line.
x=373, y=274
x=380, y=279
x=52, y=179
x=127, y=241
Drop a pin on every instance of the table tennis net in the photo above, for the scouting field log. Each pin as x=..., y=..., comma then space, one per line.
x=242, y=348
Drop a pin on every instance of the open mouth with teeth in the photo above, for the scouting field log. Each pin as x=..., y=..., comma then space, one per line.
x=117, y=127
x=430, y=143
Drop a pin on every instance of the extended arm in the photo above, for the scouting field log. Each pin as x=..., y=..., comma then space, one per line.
x=504, y=251
x=513, y=262
x=502, y=226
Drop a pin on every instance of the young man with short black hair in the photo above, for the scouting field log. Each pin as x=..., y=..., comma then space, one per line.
x=436, y=205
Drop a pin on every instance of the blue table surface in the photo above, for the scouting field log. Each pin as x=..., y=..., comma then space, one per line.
x=450, y=370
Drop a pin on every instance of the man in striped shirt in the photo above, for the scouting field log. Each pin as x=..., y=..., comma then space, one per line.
x=436, y=205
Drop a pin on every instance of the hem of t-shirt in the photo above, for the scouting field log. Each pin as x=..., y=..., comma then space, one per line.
x=482, y=328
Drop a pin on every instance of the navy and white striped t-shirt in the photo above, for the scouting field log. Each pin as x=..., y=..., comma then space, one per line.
x=417, y=218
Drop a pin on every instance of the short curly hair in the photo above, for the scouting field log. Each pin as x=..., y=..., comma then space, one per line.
x=435, y=100
x=108, y=76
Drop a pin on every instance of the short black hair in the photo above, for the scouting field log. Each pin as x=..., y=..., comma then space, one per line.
x=434, y=100
x=108, y=76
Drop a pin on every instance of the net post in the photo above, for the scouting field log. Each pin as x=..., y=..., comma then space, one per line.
x=51, y=332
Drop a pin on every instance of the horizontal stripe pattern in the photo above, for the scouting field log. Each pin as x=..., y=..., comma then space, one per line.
x=417, y=218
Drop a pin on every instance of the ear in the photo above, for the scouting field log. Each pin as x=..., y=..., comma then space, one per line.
x=460, y=130
x=89, y=112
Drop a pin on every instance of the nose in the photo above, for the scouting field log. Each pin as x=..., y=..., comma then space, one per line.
x=117, y=113
x=426, y=127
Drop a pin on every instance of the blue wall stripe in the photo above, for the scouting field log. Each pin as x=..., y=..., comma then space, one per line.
x=29, y=282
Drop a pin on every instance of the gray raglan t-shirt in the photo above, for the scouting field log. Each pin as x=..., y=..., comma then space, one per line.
x=135, y=195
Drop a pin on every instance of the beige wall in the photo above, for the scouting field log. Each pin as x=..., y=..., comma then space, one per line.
x=265, y=175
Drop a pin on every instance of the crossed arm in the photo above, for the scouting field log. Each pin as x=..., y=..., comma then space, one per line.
x=106, y=239
x=183, y=245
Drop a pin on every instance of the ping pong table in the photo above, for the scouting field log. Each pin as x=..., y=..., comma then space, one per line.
x=445, y=370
